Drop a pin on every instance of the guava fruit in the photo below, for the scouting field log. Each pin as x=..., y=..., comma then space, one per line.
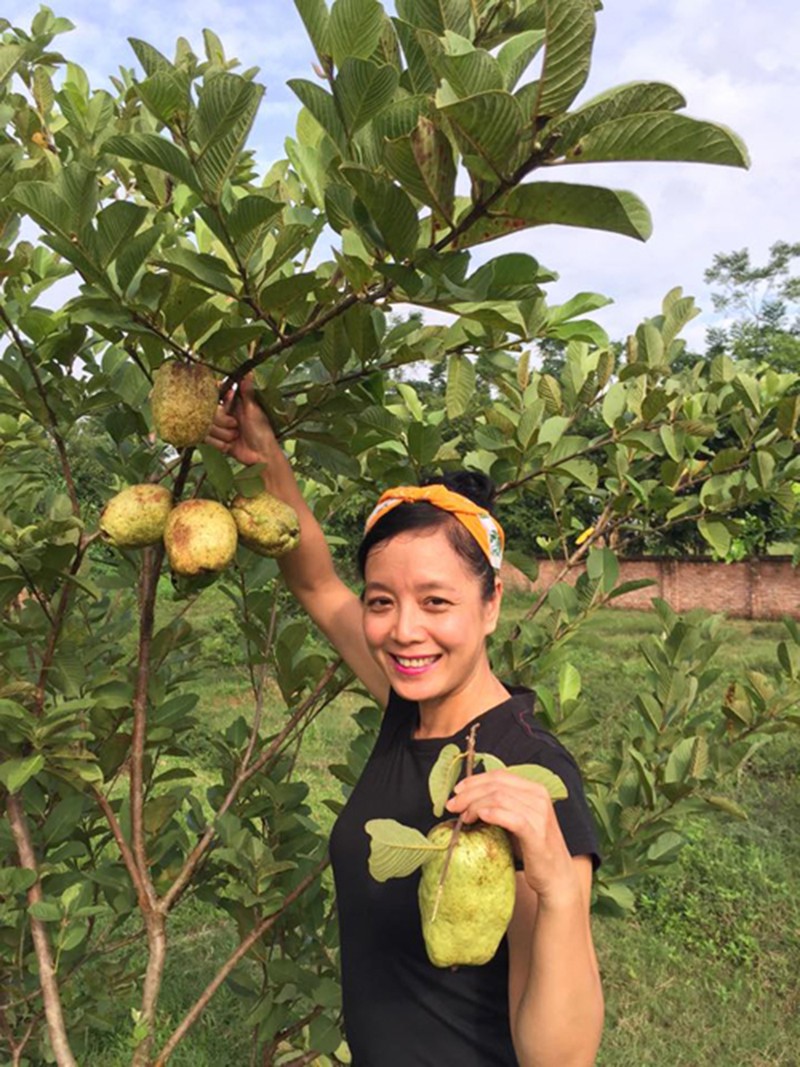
x=200, y=536
x=266, y=525
x=184, y=400
x=476, y=901
x=136, y=516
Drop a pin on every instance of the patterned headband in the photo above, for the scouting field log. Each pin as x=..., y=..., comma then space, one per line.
x=486, y=530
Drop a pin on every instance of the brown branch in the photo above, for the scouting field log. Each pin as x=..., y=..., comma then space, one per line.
x=244, y=775
x=459, y=822
x=56, y=1028
x=601, y=526
x=128, y=857
x=238, y=954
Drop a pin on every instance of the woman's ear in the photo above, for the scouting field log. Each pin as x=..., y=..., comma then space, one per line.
x=493, y=607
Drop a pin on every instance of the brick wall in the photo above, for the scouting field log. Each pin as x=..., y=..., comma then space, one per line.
x=756, y=589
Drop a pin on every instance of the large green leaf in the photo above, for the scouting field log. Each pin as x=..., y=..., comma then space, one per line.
x=460, y=388
x=363, y=89
x=209, y=271
x=568, y=52
x=354, y=29
x=444, y=775
x=226, y=109
x=45, y=206
x=151, y=59
x=471, y=72
x=249, y=220
x=513, y=276
x=396, y=850
x=489, y=125
x=534, y=772
x=316, y=17
x=556, y=203
x=436, y=15
x=166, y=94
x=322, y=106
x=423, y=163
x=116, y=226
x=661, y=135
x=635, y=98
x=10, y=55
x=516, y=55
x=419, y=77
x=133, y=256
x=389, y=207
x=156, y=152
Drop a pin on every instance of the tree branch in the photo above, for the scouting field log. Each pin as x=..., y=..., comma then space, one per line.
x=47, y=974
x=239, y=953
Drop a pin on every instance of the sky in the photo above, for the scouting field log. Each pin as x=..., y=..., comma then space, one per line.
x=736, y=63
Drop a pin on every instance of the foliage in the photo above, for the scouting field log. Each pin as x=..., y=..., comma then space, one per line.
x=148, y=202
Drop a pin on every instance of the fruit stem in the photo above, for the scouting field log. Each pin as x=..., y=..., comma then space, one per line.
x=459, y=822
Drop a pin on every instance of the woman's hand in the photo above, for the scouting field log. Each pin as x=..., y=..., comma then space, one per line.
x=525, y=809
x=241, y=429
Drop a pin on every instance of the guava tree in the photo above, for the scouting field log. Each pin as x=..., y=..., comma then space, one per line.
x=423, y=136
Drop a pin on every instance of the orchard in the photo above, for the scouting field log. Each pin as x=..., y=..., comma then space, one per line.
x=421, y=137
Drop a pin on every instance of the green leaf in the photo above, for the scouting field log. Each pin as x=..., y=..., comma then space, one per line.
x=354, y=29
x=557, y=203
x=151, y=59
x=444, y=775
x=396, y=850
x=424, y=441
x=568, y=52
x=207, y=270
x=634, y=98
x=716, y=533
x=46, y=911
x=156, y=152
x=226, y=109
x=10, y=55
x=390, y=208
x=614, y=403
x=489, y=125
x=133, y=256
x=45, y=206
x=730, y=807
x=219, y=471
x=14, y=773
x=532, y=772
x=316, y=18
x=569, y=683
x=421, y=78
x=322, y=106
x=436, y=15
x=665, y=847
x=460, y=385
x=468, y=70
x=166, y=94
x=116, y=226
x=679, y=765
x=363, y=89
x=661, y=136
x=516, y=54
x=423, y=162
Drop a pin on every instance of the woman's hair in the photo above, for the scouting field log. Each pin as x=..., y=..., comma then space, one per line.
x=422, y=515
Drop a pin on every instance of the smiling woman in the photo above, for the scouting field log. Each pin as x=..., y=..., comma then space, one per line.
x=430, y=559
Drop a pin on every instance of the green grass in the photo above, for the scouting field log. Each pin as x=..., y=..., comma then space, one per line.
x=705, y=973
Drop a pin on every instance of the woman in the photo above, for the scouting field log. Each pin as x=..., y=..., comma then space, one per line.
x=417, y=641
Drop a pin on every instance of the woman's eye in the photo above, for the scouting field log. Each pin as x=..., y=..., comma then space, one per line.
x=437, y=602
x=378, y=603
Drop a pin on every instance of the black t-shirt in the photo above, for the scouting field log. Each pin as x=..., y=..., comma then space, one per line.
x=399, y=1009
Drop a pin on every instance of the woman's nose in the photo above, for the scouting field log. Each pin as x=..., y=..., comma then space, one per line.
x=407, y=624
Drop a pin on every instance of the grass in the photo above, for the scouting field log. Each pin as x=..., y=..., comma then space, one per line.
x=705, y=973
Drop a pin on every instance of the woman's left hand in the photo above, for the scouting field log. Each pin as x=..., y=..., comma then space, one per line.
x=525, y=809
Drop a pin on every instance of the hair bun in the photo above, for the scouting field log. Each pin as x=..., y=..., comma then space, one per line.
x=476, y=486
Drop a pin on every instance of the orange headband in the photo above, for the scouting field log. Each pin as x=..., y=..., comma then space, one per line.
x=486, y=530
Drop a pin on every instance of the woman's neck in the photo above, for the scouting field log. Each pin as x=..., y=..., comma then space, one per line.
x=445, y=716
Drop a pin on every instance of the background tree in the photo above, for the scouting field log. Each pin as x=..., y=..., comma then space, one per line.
x=147, y=199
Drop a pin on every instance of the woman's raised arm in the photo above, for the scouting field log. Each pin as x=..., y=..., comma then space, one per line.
x=242, y=430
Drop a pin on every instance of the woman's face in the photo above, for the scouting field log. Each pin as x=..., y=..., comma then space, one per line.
x=424, y=618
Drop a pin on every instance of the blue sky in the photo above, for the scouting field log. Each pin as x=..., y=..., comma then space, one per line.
x=734, y=61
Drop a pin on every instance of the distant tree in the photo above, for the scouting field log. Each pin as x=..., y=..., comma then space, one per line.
x=765, y=303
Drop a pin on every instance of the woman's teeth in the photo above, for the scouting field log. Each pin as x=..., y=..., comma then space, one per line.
x=417, y=661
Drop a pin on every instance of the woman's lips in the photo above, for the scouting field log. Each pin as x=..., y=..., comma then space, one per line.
x=412, y=665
